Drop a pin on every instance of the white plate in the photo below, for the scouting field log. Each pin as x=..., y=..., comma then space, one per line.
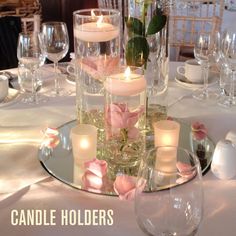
x=12, y=97
x=182, y=80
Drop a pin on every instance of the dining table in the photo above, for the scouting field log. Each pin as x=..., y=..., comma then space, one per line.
x=26, y=186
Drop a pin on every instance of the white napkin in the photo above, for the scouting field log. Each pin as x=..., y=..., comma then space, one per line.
x=20, y=134
x=19, y=166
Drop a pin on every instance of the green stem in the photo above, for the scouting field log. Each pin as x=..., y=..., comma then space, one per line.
x=143, y=19
x=124, y=134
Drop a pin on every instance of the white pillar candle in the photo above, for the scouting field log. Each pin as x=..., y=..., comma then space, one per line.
x=84, y=143
x=125, y=84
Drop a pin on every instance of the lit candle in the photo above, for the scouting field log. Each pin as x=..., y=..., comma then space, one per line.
x=98, y=31
x=84, y=143
x=166, y=134
x=125, y=84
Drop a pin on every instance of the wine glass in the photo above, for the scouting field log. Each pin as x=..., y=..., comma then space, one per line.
x=169, y=193
x=55, y=43
x=30, y=58
x=229, y=56
x=205, y=51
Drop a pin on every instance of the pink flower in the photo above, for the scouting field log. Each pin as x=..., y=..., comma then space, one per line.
x=199, y=130
x=124, y=186
x=119, y=116
x=133, y=133
x=97, y=167
x=97, y=67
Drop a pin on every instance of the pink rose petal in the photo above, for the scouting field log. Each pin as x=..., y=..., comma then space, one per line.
x=50, y=139
x=97, y=167
x=199, y=130
x=125, y=186
x=91, y=181
x=186, y=172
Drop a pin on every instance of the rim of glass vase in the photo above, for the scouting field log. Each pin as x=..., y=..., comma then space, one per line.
x=114, y=12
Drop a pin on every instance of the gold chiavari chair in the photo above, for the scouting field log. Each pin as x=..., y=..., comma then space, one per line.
x=188, y=19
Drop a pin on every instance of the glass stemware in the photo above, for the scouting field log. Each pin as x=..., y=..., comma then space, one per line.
x=169, y=193
x=229, y=56
x=30, y=58
x=55, y=43
x=206, y=50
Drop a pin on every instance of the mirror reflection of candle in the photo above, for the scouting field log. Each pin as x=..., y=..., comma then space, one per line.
x=166, y=134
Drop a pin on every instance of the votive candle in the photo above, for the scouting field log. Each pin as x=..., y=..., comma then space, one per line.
x=84, y=143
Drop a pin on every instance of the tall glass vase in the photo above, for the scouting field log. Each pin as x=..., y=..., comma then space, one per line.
x=146, y=42
x=97, y=52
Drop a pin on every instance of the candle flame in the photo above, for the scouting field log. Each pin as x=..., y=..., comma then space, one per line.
x=84, y=144
x=93, y=14
x=100, y=20
x=127, y=73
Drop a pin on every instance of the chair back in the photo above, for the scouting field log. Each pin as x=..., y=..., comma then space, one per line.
x=190, y=18
x=31, y=24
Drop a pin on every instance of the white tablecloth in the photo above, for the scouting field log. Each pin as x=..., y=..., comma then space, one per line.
x=20, y=170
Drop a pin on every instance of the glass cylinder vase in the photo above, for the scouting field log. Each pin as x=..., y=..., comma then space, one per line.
x=146, y=42
x=125, y=117
x=97, y=52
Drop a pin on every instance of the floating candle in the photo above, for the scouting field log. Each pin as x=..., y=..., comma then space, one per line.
x=98, y=31
x=125, y=84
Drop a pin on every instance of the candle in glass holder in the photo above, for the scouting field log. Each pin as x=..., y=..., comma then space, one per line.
x=84, y=143
x=96, y=31
x=166, y=134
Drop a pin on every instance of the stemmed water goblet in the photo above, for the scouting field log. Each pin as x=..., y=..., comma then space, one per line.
x=205, y=51
x=55, y=43
x=169, y=193
x=229, y=56
x=30, y=58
